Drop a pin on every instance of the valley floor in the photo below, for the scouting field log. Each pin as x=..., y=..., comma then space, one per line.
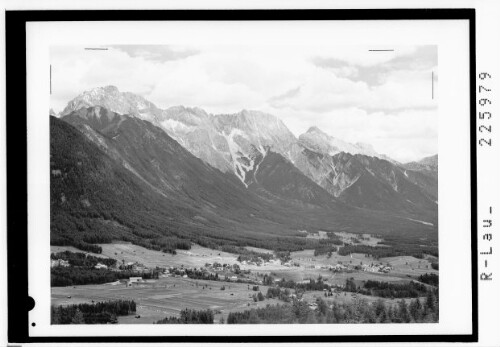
x=167, y=296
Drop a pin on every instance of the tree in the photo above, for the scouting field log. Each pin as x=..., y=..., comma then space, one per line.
x=379, y=307
x=429, y=302
x=55, y=317
x=403, y=311
x=311, y=318
x=301, y=310
x=415, y=309
x=322, y=306
x=369, y=316
x=260, y=296
x=253, y=317
x=78, y=317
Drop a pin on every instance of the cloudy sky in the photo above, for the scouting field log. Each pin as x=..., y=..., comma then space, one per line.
x=351, y=92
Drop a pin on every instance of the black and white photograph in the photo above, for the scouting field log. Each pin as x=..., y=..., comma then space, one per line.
x=244, y=184
x=269, y=175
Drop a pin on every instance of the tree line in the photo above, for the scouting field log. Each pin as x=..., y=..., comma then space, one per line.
x=82, y=259
x=189, y=316
x=432, y=279
x=387, y=289
x=95, y=313
x=356, y=311
x=70, y=276
x=378, y=252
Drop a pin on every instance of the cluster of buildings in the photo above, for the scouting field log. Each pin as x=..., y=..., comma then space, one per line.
x=59, y=262
x=133, y=280
x=223, y=267
x=376, y=268
x=363, y=267
x=257, y=261
x=134, y=266
x=290, y=264
x=336, y=267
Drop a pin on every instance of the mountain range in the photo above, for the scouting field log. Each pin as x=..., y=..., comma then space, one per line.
x=244, y=174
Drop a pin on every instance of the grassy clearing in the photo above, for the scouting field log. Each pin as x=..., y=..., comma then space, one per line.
x=197, y=256
x=165, y=297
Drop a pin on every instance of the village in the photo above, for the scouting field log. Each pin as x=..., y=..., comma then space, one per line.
x=163, y=284
x=224, y=271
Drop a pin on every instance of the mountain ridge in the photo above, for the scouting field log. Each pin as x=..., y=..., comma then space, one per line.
x=180, y=195
x=236, y=143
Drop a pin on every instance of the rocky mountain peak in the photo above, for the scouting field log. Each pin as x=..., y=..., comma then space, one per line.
x=319, y=141
x=112, y=99
x=314, y=129
x=110, y=89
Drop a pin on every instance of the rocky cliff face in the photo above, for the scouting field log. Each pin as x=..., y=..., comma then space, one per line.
x=318, y=141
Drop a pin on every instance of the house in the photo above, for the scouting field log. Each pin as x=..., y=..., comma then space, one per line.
x=100, y=266
x=59, y=262
x=233, y=278
x=134, y=280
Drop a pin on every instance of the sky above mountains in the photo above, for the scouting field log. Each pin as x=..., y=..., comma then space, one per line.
x=358, y=95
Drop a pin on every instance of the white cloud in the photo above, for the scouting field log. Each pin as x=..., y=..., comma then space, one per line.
x=383, y=98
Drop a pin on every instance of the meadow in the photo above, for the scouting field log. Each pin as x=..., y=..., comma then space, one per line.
x=157, y=299
x=167, y=296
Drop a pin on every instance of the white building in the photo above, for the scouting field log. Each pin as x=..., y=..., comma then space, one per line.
x=59, y=262
x=134, y=280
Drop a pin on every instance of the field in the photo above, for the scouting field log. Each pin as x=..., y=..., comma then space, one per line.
x=157, y=299
x=403, y=267
x=197, y=256
x=167, y=296
x=310, y=266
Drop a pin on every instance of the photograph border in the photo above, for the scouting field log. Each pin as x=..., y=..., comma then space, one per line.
x=19, y=302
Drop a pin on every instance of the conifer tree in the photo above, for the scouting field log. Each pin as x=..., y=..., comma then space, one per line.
x=78, y=317
x=403, y=311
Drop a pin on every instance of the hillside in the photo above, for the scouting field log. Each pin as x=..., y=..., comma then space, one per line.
x=128, y=180
x=428, y=166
